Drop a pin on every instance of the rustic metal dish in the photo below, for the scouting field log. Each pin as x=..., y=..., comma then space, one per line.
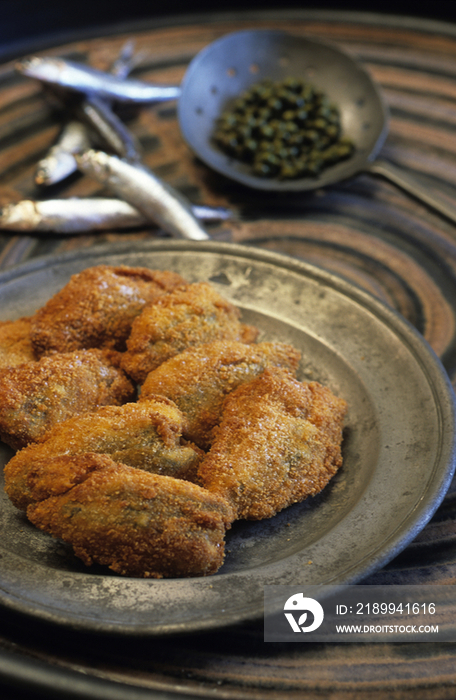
x=399, y=449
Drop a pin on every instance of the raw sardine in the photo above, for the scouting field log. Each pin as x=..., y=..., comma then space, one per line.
x=78, y=77
x=98, y=115
x=80, y=215
x=126, y=60
x=59, y=163
x=155, y=199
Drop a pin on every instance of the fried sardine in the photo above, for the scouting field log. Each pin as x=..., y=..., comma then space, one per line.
x=145, y=435
x=185, y=318
x=37, y=395
x=97, y=306
x=199, y=379
x=278, y=442
x=137, y=523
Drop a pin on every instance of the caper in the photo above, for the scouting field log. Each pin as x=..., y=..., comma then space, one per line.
x=284, y=129
x=266, y=145
x=289, y=115
x=262, y=169
x=272, y=159
x=290, y=128
x=310, y=135
x=264, y=113
x=292, y=84
x=315, y=165
x=267, y=131
x=332, y=131
x=288, y=170
x=302, y=116
x=251, y=145
x=319, y=124
x=275, y=104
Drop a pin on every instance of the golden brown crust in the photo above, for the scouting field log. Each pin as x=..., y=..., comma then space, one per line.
x=278, y=442
x=55, y=475
x=187, y=317
x=97, y=306
x=145, y=435
x=36, y=395
x=137, y=523
x=198, y=379
x=128, y=484
x=15, y=345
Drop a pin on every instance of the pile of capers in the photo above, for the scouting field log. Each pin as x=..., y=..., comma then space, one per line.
x=285, y=129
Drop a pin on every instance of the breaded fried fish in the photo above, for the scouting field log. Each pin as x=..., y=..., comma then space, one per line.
x=185, y=318
x=278, y=442
x=145, y=435
x=137, y=523
x=15, y=345
x=198, y=379
x=37, y=395
x=97, y=306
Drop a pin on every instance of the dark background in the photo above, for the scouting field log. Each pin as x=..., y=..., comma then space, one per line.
x=31, y=23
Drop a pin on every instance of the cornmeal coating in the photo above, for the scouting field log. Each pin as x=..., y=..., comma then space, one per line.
x=187, y=317
x=37, y=395
x=54, y=476
x=146, y=436
x=137, y=523
x=97, y=306
x=15, y=345
x=198, y=379
x=278, y=442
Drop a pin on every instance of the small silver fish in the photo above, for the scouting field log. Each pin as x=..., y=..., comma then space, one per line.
x=155, y=199
x=78, y=77
x=59, y=162
x=83, y=214
x=98, y=115
x=126, y=60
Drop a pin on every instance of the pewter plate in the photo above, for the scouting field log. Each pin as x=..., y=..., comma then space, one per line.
x=399, y=449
